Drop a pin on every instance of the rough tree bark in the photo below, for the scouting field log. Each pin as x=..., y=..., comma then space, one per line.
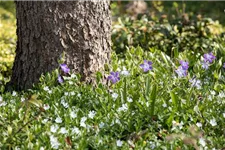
x=45, y=30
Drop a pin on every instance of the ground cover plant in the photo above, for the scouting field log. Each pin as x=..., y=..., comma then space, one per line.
x=153, y=102
x=164, y=89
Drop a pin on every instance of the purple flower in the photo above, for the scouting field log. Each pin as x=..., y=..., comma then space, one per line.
x=223, y=65
x=184, y=64
x=181, y=72
x=114, y=77
x=146, y=66
x=65, y=68
x=60, y=79
x=209, y=57
x=205, y=65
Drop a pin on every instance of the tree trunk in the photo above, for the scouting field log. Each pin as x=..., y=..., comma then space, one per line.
x=46, y=30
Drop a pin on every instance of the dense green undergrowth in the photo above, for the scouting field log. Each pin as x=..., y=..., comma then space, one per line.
x=178, y=103
x=156, y=109
x=196, y=36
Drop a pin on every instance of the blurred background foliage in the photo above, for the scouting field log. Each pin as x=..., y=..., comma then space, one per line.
x=168, y=26
x=7, y=39
x=9, y=6
x=169, y=9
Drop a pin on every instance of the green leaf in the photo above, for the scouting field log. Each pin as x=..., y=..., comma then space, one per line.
x=216, y=75
x=174, y=100
x=33, y=100
x=175, y=52
x=170, y=119
x=98, y=76
x=153, y=98
x=125, y=90
x=175, y=4
x=99, y=91
x=9, y=130
x=147, y=91
x=164, y=58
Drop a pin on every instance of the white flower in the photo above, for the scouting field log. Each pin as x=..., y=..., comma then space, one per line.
x=75, y=130
x=129, y=99
x=177, y=124
x=70, y=82
x=223, y=115
x=213, y=122
x=101, y=125
x=63, y=130
x=44, y=121
x=30, y=145
x=2, y=103
x=58, y=120
x=202, y=142
x=42, y=148
x=123, y=108
x=54, y=142
x=46, y=88
x=221, y=95
x=83, y=119
x=183, y=101
x=72, y=93
x=119, y=143
x=199, y=124
x=46, y=107
x=205, y=65
x=14, y=93
x=174, y=123
x=91, y=114
x=54, y=128
x=125, y=73
x=78, y=95
x=22, y=99
x=82, y=122
x=196, y=109
x=152, y=145
x=213, y=92
x=114, y=96
x=73, y=114
x=65, y=104
x=210, y=97
x=118, y=121
x=73, y=76
x=17, y=148
x=181, y=125
x=66, y=93
x=100, y=141
x=195, y=83
x=164, y=105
